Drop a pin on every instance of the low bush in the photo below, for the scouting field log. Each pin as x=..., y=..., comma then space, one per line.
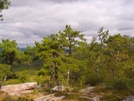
x=43, y=72
x=24, y=76
x=92, y=80
x=12, y=81
x=71, y=96
x=120, y=83
x=9, y=98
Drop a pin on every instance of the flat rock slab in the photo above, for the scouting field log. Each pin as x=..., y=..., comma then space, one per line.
x=18, y=89
x=129, y=98
x=87, y=90
x=49, y=97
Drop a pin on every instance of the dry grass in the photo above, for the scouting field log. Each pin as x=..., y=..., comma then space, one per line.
x=112, y=94
x=5, y=97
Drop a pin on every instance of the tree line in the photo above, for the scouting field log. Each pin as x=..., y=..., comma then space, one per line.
x=69, y=60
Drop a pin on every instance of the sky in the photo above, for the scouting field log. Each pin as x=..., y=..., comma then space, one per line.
x=27, y=21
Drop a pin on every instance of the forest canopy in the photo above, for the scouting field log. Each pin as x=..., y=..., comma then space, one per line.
x=67, y=59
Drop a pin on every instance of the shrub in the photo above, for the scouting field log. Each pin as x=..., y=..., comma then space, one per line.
x=43, y=72
x=120, y=83
x=42, y=76
x=42, y=79
x=12, y=81
x=24, y=99
x=24, y=76
x=92, y=80
x=9, y=98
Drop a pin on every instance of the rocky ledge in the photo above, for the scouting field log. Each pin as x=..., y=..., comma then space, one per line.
x=19, y=89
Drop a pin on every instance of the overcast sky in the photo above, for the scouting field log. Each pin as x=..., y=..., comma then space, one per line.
x=27, y=21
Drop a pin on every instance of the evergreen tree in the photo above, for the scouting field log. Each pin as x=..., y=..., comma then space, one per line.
x=51, y=52
x=4, y=4
x=4, y=72
x=10, y=53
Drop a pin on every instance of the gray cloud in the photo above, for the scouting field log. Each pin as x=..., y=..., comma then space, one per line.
x=63, y=1
x=27, y=21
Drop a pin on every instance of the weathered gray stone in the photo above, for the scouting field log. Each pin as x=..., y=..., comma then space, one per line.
x=58, y=88
x=39, y=87
x=87, y=90
x=129, y=98
x=97, y=98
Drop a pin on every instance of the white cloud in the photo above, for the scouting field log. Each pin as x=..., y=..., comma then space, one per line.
x=29, y=21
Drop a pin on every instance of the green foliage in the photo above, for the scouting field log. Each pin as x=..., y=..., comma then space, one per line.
x=30, y=52
x=4, y=4
x=5, y=97
x=71, y=39
x=9, y=50
x=9, y=98
x=71, y=97
x=12, y=81
x=11, y=54
x=42, y=79
x=4, y=70
x=51, y=53
x=93, y=81
x=43, y=76
x=35, y=91
x=120, y=83
x=24, y=76
x=68, y=60
x=43, y=72
x=24, y=99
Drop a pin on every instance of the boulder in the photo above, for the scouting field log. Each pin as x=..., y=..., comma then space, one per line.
x=18, y=89
x=39, y=87
x=58, y=88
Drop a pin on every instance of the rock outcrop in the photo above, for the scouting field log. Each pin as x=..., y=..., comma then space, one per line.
x=49, y=97
x=129, y=98
x=58, y=88
x=87, y=90
x=19, y=89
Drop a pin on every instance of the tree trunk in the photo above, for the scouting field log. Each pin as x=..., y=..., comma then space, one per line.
x=68, y=79
x=70, y=51
x=51, y=76
x=4, y=79
x=56, y=75
x=114, y=72
x=97, y=74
